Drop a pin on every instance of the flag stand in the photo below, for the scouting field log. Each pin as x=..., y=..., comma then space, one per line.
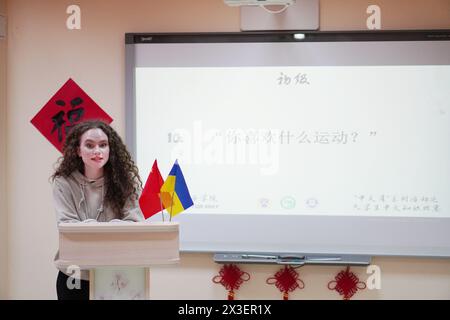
x=160, y=202
x=171, y=205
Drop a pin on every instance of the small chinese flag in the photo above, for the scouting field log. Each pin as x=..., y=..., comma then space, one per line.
x=68, y=106
x=150, y=201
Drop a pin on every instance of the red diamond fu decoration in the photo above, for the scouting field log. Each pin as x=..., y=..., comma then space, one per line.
x=69, y=106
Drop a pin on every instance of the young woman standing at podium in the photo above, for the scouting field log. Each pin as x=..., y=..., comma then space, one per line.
x=96, y=180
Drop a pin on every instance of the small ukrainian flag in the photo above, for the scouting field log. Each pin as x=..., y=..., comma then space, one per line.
x=174, y=192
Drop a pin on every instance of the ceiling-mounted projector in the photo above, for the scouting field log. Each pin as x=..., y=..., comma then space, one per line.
x=235, y=3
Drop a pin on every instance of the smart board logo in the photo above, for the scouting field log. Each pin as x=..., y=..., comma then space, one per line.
x=230, y=146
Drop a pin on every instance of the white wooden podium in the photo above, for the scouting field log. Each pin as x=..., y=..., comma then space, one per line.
x=118, y=255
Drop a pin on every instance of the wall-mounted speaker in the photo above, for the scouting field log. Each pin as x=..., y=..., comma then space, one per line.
x=301, y=15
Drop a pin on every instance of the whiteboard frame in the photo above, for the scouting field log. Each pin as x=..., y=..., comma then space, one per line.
x=376, y=236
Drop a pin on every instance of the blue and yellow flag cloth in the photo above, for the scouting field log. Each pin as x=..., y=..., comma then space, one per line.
x=174, y=192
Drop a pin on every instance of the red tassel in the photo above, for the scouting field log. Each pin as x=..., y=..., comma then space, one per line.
x=231, y=277
x=286, y=280
x=346, y=283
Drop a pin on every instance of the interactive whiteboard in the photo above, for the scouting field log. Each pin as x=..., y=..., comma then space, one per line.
x=334, y=143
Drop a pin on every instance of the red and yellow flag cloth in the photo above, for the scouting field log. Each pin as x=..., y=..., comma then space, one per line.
x=174, y=192
x=150, y=201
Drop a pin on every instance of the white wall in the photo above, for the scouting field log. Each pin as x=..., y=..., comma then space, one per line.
x=3, y=214
x=42, y=54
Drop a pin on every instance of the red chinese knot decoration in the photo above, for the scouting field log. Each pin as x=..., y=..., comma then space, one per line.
x=68, y=106
x=231, y=277
x=346, y=283
x=286, y=280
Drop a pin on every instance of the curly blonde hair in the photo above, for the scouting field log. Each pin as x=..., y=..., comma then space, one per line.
x=121, y=175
